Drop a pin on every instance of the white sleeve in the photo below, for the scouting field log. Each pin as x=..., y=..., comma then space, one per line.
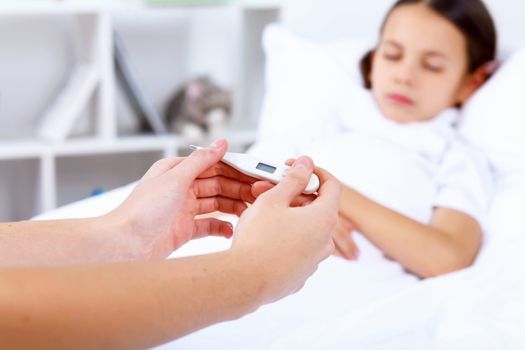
x=464, y=181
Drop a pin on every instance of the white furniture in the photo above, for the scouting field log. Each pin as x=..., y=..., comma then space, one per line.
x=45, y=41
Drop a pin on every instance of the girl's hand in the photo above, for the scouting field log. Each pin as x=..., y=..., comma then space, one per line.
x=345, y=246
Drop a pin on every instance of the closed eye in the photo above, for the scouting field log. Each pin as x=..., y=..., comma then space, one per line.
x=392, y=57
x=433, y=68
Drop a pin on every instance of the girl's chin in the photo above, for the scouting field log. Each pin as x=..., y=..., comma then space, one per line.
x=398, y=117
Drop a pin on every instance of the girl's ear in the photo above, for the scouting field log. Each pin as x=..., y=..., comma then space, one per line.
x=475, y=80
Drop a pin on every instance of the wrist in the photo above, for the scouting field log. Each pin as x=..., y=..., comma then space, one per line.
x=347, y=203
x=118, y=234
x=353, y=207
x=252, y=275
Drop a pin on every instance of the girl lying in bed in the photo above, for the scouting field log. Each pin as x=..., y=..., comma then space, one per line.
x=412, y=188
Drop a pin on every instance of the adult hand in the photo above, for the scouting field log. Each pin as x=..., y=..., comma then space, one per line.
x=345, y=246
x=289, y=242
x=260, y=187
x=159, y=215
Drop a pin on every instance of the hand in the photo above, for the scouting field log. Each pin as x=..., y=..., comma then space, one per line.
x=345, y=246
x=159, y=215
x=260, y=187
x=289, y=242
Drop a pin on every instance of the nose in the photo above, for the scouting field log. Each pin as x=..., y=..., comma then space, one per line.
x=405, y=72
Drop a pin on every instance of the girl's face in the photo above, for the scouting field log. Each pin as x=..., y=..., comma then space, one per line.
x=420, y=66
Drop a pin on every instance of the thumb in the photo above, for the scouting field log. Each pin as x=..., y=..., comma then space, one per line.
x=197, y=162
x=160, y=167
x=293, y=184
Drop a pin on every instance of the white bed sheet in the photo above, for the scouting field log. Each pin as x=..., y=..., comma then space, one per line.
x=482, y=307
x=329, y=294
x=381, y=306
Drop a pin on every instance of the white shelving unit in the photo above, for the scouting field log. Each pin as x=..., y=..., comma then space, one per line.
x=36, y=175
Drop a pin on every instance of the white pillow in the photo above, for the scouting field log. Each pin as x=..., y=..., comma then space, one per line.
x=302, y=80
x=302, y=77
x=494, y=118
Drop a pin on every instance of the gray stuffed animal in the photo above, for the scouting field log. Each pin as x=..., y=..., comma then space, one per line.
x=200, y=108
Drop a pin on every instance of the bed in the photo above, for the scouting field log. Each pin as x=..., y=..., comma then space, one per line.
x=382, y=306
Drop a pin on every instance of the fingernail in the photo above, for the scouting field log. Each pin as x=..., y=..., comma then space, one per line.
x=218, y=143
x=302, y=163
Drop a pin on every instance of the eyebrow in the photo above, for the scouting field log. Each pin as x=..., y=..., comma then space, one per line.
x=427, y=53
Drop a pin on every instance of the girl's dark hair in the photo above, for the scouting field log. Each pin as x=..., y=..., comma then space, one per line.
x=471, y=17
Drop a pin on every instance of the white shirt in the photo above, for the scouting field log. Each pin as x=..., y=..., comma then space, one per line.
x=410, y=168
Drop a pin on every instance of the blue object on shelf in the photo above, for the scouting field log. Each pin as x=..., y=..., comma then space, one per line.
x=97, y=191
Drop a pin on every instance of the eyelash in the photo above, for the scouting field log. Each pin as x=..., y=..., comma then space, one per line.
x=433, y=69
x=425, y=66
x=392, y=57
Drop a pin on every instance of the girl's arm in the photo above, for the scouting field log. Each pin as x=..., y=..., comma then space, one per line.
x=450, y=242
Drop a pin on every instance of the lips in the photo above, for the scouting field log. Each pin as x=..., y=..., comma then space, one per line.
x=400, y=99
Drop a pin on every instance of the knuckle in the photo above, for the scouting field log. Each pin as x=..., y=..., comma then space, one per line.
x=217, y=169
x=216, y=186
x=199, y=154
x=238, y=207
x=215, y=204
x=160, y=162
x=265, y=198
x=197, y=189
x=296, y=176
x=207, y=226
x=245, y=193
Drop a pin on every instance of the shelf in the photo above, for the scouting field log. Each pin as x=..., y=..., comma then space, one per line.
x=47, y=8
x=20, y=150
x=37, y=175
x=234, y=138
x=260, y=4
x=93, y=7
x=89, y=146
x=129, y=144
x=135, y=144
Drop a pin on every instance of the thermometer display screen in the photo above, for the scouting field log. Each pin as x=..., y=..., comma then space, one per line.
x=267, y=168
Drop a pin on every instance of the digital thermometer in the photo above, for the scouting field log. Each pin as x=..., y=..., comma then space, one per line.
x=254, y=167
